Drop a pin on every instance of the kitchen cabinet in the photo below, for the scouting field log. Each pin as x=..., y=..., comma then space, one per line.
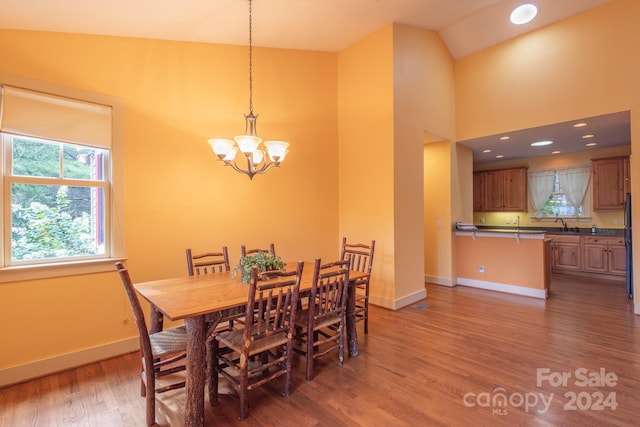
x=566, y=253
x=611, y=181
x=478, y=191
x=500, y=190
x=605, y=255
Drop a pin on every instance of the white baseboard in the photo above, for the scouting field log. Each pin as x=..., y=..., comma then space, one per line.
x=399, y=303
x=502, y=287
x=40, y=368
x=439, y=281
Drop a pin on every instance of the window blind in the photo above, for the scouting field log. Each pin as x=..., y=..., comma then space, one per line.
x=42, y=115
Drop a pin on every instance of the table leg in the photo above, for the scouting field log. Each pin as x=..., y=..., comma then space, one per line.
x=196, y=371
x=352, y=333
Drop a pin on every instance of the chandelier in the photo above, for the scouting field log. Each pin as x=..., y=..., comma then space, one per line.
x=258, y=159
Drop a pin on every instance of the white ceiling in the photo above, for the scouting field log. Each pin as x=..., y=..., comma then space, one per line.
x=466, y=26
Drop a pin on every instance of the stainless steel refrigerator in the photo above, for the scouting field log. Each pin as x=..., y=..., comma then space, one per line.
x=628, y=245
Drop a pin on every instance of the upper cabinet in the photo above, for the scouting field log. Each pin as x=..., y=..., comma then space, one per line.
x=500, y=190
x=478, y=191
x=611, y=181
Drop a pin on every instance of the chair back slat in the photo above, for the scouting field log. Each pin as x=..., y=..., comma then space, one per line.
x=136, y=309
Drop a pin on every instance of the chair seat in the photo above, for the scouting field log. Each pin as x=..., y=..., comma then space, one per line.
x=169, y=341
x=320, y=322
x=234, y=340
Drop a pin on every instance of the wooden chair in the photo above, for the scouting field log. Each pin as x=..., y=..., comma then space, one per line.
x=360, y=256
x=244, y=251
x=162, y=353
x=208, y=262
x=267, y=333
x=321, y=325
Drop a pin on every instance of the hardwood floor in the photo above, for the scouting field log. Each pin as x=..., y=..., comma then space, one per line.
x=444, y=361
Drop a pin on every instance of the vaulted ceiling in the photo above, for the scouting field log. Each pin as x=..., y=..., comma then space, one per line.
x=466, y=27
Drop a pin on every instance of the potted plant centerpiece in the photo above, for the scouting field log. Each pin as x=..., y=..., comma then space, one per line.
x=263, y=260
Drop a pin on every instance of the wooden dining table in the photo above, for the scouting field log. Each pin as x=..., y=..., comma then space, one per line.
x=193, y=298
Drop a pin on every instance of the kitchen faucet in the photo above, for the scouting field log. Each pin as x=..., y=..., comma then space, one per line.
x=564, y=224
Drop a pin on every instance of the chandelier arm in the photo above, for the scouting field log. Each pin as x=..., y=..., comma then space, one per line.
x=250, y=173
x=265, y=167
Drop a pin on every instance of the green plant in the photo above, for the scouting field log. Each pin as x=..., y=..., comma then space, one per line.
x=263, y=260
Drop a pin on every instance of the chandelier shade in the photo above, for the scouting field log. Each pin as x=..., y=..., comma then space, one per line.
x=258, y=159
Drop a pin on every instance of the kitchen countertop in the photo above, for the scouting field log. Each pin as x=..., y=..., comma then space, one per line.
x=572, y=231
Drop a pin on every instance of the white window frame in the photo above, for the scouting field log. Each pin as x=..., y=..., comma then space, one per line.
x=114, y=193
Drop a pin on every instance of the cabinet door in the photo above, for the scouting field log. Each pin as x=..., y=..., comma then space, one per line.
x=596, y=258
x=608, y=184
x=617, y=259
x=515, y=190
x=494, y=190
x=566, y=256
x=626, y=168
x=478, y=191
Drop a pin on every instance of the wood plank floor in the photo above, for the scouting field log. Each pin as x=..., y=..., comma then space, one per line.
x=445, y=361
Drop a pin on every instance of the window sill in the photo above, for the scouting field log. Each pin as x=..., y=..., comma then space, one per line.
x=47, y=271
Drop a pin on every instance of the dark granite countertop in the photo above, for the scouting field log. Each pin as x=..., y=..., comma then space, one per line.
x=571, y=231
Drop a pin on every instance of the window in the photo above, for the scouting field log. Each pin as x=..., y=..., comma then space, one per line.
x=558, y=205
x=560, y=192
x=61, y=171
x=59, y=197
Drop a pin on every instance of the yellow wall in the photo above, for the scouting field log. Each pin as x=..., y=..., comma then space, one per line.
x=365, y=105
x=579, y=67
x=437, y=212
x=395, y=86
x=177, y=95
x=424, y=111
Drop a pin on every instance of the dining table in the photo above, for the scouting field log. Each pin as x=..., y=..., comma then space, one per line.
x=195, y=299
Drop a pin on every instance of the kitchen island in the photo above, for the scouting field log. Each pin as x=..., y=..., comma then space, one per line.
x=505, y=260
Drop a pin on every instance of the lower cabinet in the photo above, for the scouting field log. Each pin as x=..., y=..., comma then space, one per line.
x=586, y=255
x=565, y=253
x=605, y=255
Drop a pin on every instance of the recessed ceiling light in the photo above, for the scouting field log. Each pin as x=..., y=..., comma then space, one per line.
x=524, y=13
x=486, y=151
x=587, y=136
x=580, y=125
x=504, y=138
x=499, y=156
x=541, y=143
x=592, y=144
x=555, y=152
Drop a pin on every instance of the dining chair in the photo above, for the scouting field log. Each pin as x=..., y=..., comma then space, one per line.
x=267, y=333
x=360, y=257
x=208, y=262
x=162, y=353
x=320, y=326
x=244, y=251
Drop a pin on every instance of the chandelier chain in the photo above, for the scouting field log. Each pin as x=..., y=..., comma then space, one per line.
x=258, y=160
x=250, y=60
